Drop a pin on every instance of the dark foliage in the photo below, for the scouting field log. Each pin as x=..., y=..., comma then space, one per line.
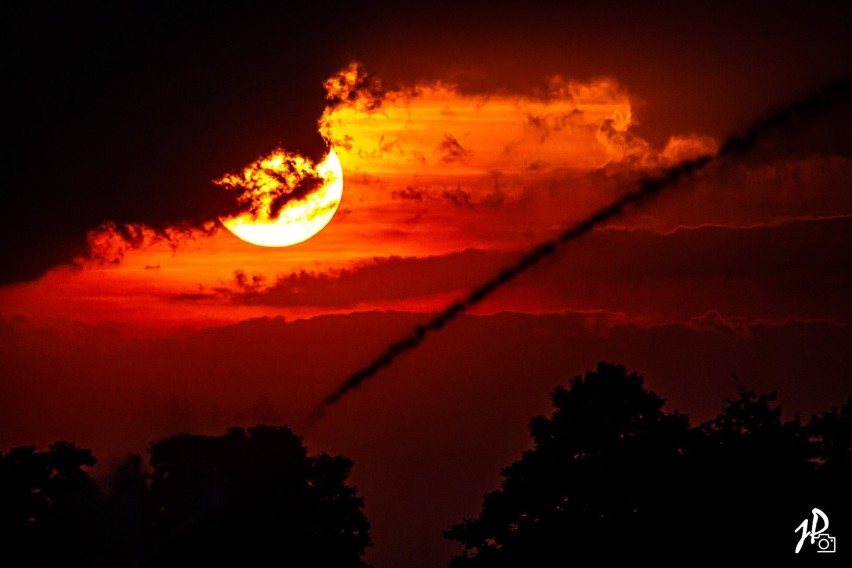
x=49, y=508
x=613, y=476
x=249, y=498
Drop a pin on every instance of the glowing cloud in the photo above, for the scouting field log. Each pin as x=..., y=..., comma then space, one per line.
x=578, y=126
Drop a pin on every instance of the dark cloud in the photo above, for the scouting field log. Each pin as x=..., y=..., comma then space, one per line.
x=762, y=272
x=293, y=180
x=247, y=283
x=451, y=150
x=303, y=188
x=354, y=85
x=536, y=166
x=125, y=113
x=383, y=145
x=714, y=322
x=458, y=197
x=194, y=297
x=384, y=280
x=409, y=193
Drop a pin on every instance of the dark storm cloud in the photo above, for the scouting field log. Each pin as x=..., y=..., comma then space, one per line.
x=126, y=112
x=649, y=188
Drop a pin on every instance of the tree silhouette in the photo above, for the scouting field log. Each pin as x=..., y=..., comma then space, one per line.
x=252, y=497
x=248, y=498
x=832, y=432
x=612, y=476
x=50, y=508
x=756, y=475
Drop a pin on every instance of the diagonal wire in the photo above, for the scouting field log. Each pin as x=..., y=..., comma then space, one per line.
x=647, y=189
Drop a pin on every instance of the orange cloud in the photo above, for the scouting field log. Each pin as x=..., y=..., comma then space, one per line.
x=438, y=162
x=648, y=276
x=430, y=171
x=434, y=128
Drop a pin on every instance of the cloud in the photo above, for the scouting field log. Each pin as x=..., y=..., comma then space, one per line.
x=574, y=124
x=566, y=147
x=758, y=271
x=249, y=284
x=755, y=271
x=131, y=128
x=648, y=188
x=714, y=322
x=451, y=150
x=273, y=181
x=355, y=100
x=109, y=243
x=408, y=193
x=355, y=88
x=382, y=280
x=688, y=147
x=457, y=197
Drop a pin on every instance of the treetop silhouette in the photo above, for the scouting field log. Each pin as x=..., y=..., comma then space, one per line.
x=251, y=497
x=612, y=475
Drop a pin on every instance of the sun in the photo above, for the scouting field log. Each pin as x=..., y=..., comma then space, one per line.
x=288, y=200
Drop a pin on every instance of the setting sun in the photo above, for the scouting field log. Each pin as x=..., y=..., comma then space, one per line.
x=290, y=200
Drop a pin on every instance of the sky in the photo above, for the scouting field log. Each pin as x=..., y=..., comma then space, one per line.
x=466, y=136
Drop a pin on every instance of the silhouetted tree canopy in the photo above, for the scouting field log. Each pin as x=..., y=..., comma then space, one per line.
x=248, y=498
x=49, y=508
x=613, y=476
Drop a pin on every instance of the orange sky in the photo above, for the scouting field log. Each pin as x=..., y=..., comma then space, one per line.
x=466, y=134
x=431, y=171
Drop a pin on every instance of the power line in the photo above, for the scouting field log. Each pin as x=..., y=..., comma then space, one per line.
x=647, y=189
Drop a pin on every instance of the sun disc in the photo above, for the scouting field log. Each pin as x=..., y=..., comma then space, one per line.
x=298, y=220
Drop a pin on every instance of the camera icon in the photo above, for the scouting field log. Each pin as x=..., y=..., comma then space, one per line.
x=825, y=543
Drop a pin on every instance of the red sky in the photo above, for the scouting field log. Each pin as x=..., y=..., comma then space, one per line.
x=465, y=138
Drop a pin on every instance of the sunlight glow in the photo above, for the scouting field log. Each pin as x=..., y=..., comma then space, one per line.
x=278, y=177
